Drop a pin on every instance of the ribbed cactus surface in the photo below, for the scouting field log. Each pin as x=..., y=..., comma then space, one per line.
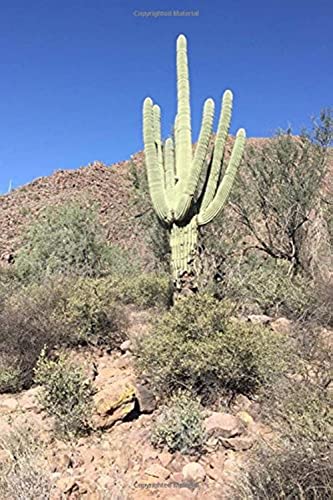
x=174, y=172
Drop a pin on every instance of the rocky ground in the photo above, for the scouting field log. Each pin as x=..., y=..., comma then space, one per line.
x=117, y=461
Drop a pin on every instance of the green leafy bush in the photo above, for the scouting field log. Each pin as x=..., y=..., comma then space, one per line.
x=91, y=315
x=199, y=347
x=144, y=290
x=179, y=425
x=67, y=395
x=66, y=240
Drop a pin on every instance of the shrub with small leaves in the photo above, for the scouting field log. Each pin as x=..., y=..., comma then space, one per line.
x=66, y=240
x=198, y=346
x=66, y=396
x=179, y=425
x=144, y=290
x=91, y=315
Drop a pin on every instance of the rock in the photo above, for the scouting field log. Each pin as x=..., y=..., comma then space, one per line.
x=165, y=458
x=125, y=346
x=259, y=319
x=282, y=325
x=9, y=404
x=146, y=399
x=67, y=485
x=29, y=399
x=238, y=443
x=113, y=403
x=214, y=465
x=156, y=470
x=223, y=425
x=245, y=417
x=193, y=471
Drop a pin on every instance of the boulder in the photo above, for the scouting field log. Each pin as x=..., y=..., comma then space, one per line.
x=146, y=399
x=193, y=471
x=222, y=425
x=113, y=403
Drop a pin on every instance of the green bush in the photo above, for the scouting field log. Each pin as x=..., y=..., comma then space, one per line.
x=66, y=240
x=144, y=290
x=179, y=425
x=67, y=395
x=91, y=315
x=198, y=346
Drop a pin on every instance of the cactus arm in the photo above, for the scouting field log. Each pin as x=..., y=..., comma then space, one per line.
x=157, y=134
x=189, y=189
x=220, y=141
x=183, y=120
x=216, y=205
x=154, y=171
x=169, y=162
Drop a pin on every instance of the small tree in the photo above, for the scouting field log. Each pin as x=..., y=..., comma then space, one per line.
x=280, y=188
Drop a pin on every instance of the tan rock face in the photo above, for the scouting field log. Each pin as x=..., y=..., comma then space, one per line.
x=114, y=402
x=222, y=425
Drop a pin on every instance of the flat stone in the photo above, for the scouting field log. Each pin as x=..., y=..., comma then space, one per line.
x=156, y=470
x=239, y=443
x=165, y=458
x=222, y=424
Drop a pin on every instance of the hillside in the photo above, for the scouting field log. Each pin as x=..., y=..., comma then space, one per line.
x=108, y=185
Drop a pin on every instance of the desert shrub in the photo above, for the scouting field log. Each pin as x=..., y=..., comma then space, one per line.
x=120, y=261
x=27, y=324
x=22, y=475
x=65, y=240
x=8, y=284
x=293, y=472
x=66, y=396
x=144, y=290
x=9, y=375
x=264, y=286
x=91, y=315
x=179, y=425
x=197, y=346
x=280, y=186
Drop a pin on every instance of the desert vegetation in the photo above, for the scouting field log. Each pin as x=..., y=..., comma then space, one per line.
x=102, y=344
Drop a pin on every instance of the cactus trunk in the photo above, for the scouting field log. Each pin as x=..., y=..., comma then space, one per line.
x=173, y=171
x=184, y=244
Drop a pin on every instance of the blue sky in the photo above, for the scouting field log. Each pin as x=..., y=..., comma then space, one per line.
x=74, y=73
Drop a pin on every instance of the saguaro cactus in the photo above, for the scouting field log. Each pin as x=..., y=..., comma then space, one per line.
x=174, y=172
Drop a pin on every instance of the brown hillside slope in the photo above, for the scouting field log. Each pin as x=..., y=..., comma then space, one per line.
x=109, y=186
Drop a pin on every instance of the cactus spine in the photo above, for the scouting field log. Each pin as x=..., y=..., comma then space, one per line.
x=174, y=172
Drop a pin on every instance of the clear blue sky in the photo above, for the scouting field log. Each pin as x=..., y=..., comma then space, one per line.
x=74, y=73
